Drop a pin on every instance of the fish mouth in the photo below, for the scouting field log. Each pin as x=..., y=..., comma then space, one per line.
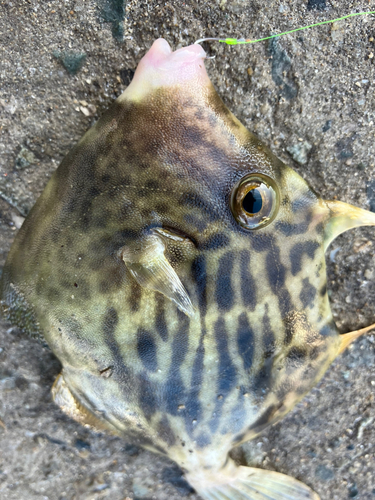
x=160, y=67
x=161, y=56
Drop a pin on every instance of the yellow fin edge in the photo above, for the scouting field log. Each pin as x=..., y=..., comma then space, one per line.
x=342, y=217
x=348, y=338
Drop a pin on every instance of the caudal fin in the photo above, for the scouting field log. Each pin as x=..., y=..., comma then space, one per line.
x=247, y=483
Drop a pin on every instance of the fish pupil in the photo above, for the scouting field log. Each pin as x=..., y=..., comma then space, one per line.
x=252, y=202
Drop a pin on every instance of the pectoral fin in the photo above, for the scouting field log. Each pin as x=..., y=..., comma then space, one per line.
x=343, y=217
x=151, y=269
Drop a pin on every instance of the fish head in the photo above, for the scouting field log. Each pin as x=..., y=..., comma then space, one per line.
x=246, y=221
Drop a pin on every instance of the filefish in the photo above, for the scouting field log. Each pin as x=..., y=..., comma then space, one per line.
x=176, y=268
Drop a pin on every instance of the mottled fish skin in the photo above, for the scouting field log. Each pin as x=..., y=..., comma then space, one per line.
x=262, y=335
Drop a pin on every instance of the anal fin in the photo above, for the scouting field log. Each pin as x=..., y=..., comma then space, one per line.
x=63, y=397
x=247, y=483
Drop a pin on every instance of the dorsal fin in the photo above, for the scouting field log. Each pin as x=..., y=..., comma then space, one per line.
x=348, y=338
x=343, y=217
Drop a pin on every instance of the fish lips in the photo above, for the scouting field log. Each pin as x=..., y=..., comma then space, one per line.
x=161, y=67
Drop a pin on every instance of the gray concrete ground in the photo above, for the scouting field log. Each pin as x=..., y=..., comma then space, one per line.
x=310, y=97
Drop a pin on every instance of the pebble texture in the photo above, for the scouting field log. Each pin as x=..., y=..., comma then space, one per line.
x=310, y=97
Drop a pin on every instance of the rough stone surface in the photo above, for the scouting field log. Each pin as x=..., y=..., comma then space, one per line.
x=314, y=86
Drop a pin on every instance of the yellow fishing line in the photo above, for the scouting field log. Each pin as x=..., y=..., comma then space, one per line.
x=242, y=41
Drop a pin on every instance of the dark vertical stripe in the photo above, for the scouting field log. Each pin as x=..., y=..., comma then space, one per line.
x=276, y=276
x=120, y=372
x=193, y=410
x=245, y=341
x=110, y=322
x=197, y=377
x=146, y=395
x=289, y=329
x=224, y=290
x=285, y=302
x=227, y=371
x=248, y=291
x=160, y=322
x=308, y=293
x=275, y=270
x=193, y=405
x=262, y=382
x=146, y=349
x=174, y=389
x=269, y=340
x=109, y=325
x=227, y=376
x=199, y=272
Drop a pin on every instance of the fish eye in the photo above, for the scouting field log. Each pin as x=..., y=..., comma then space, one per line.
x=255, y=201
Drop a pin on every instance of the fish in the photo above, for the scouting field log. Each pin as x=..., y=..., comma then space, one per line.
x=176, y=269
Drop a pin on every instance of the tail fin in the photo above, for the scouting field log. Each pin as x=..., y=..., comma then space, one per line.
x=247, y=483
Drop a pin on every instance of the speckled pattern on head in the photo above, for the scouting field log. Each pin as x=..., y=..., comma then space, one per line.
x=136, y=220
